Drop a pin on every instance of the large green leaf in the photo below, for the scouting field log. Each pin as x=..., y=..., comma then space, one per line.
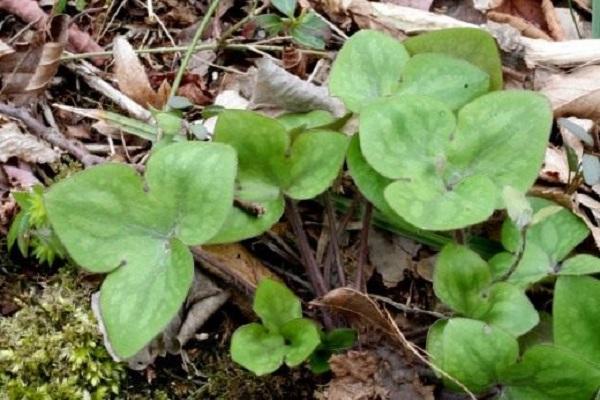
x=275, y=304
x=471, y=44
x=303, y=337
x=446, y=173
x=368, y=66
x=576, y=313
x=475, y=353
x=510, y=309
x=453, y=81
x=109, y=219
x=582, y=264
x=257, y=349
x=459, y=278
x=550, y=373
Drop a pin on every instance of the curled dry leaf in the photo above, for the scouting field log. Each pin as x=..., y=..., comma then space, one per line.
x=27, y=72
x=391, y=255
x=132, y=77
x=575, y=94
x=535, y=19
x=270, y=86
x=24, y=146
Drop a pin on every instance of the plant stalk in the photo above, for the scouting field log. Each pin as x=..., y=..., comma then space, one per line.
x=333, y=239
x=360, y=283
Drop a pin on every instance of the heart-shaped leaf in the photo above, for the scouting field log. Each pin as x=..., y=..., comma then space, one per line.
x=256, y=348
x=447, y=167
x=471, y=44
x=582, y=264
x=303, y=337
x=285, y=6
x=310, y=31
x=510, y=309
x=110, y=219
x=459, y=278
x=472, y=352
x=368, y=66
x=276, y=305
x=453, y=81
x=575, y=312
x=550, y=373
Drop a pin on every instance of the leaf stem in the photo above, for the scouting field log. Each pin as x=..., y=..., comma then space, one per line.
x=308, y=258
x=360, y=283
x=333, y=239
x=191, y=48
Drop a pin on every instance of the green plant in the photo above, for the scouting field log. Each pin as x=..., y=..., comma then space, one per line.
x=306, y=29
x=51, y=348
x=283, y=335
x=31, y=228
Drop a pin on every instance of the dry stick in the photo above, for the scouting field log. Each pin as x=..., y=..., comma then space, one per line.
x=363, y=248
x=191, y=47
x=333, y=242
x=308, y=258
x=51, y=136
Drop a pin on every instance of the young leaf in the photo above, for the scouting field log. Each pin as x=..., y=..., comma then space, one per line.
x=285, y=6
x=471, y=44
x=459, y=278
x=310, y=31
x=453, y=81
x=475, y=353
x=510, y=309
x=575, y=311
x=272, y=23
x=550, y=373
x=109, y=219
x=339, y=339
x=368, y=66
x=581, y=264
x=257, y=349
x=303, y=338
x=304, y=121
x=534, y=265
x=276, y=305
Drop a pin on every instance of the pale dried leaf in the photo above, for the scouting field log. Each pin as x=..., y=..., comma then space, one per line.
x=419, y=4
x=5, y=49
x=484, y=5
x=270, y=86
x=132, y=77
x=553, y=23
x=24, y=146
x=391, y=255
x=556, y=167
x=20, y=177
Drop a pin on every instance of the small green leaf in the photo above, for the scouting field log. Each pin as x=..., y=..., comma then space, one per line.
x=581, y=264
x=275, y=304
x=59, y=7
x=285, y=6
x=15, y=230
x=170, y=122
x=310, y=31
x=257, y=349
x=575, y=312
x=368, y=66
x=319, y=361
x=80, y=5
x=303, y=337
x=475, y=353
x=470, y=44
x=534, y=266
x=459, y=277
x=339, y=339
x=272, y=23
x=179, y=103
x=305, y=121
x=518, y=207
x=510, y=309
x=591, y=169
x=550, y=373
x=453, y=81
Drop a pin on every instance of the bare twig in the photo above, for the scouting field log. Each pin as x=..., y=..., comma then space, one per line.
x=308, y=258
x=51, y=135
x=360, y=283
x=408, y=309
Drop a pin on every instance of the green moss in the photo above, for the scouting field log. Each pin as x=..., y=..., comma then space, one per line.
x=51, y=349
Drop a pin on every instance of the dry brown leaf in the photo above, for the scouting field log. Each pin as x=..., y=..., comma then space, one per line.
x=575, y=94
x=24, y=146
x=391, y=255
x=555, y=168
x=585, y=4
x=27, y=72
x=132, y=77
x=419, y=4
x=234, y=264
x=523, y=26
x=534, y=18
x=555, y=29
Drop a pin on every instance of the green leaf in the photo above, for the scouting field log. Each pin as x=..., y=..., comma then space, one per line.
x=368, y=66
x=534, y=266
x=581, y=264
x=435, y=343
x=303, y=337
x=459, y=277
x=16, y=230
x=475, y=353
x=510, y=309
x=446, y=172
x=59, y=7
x=170, y=122
x=80, y=5
x=272, y=23
x=180, y=103
x=550, y=373
x=315, y=161
x=257, y=349
x=453, y=81
x=306, y=121
x=285, y=6
x=540, y=334
x=310, y=31
x=470, y=44
x=319, y=361
x=275, y=304
x=109, y=219
x=517, y=206
x=339, y=339
x=575, y=312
